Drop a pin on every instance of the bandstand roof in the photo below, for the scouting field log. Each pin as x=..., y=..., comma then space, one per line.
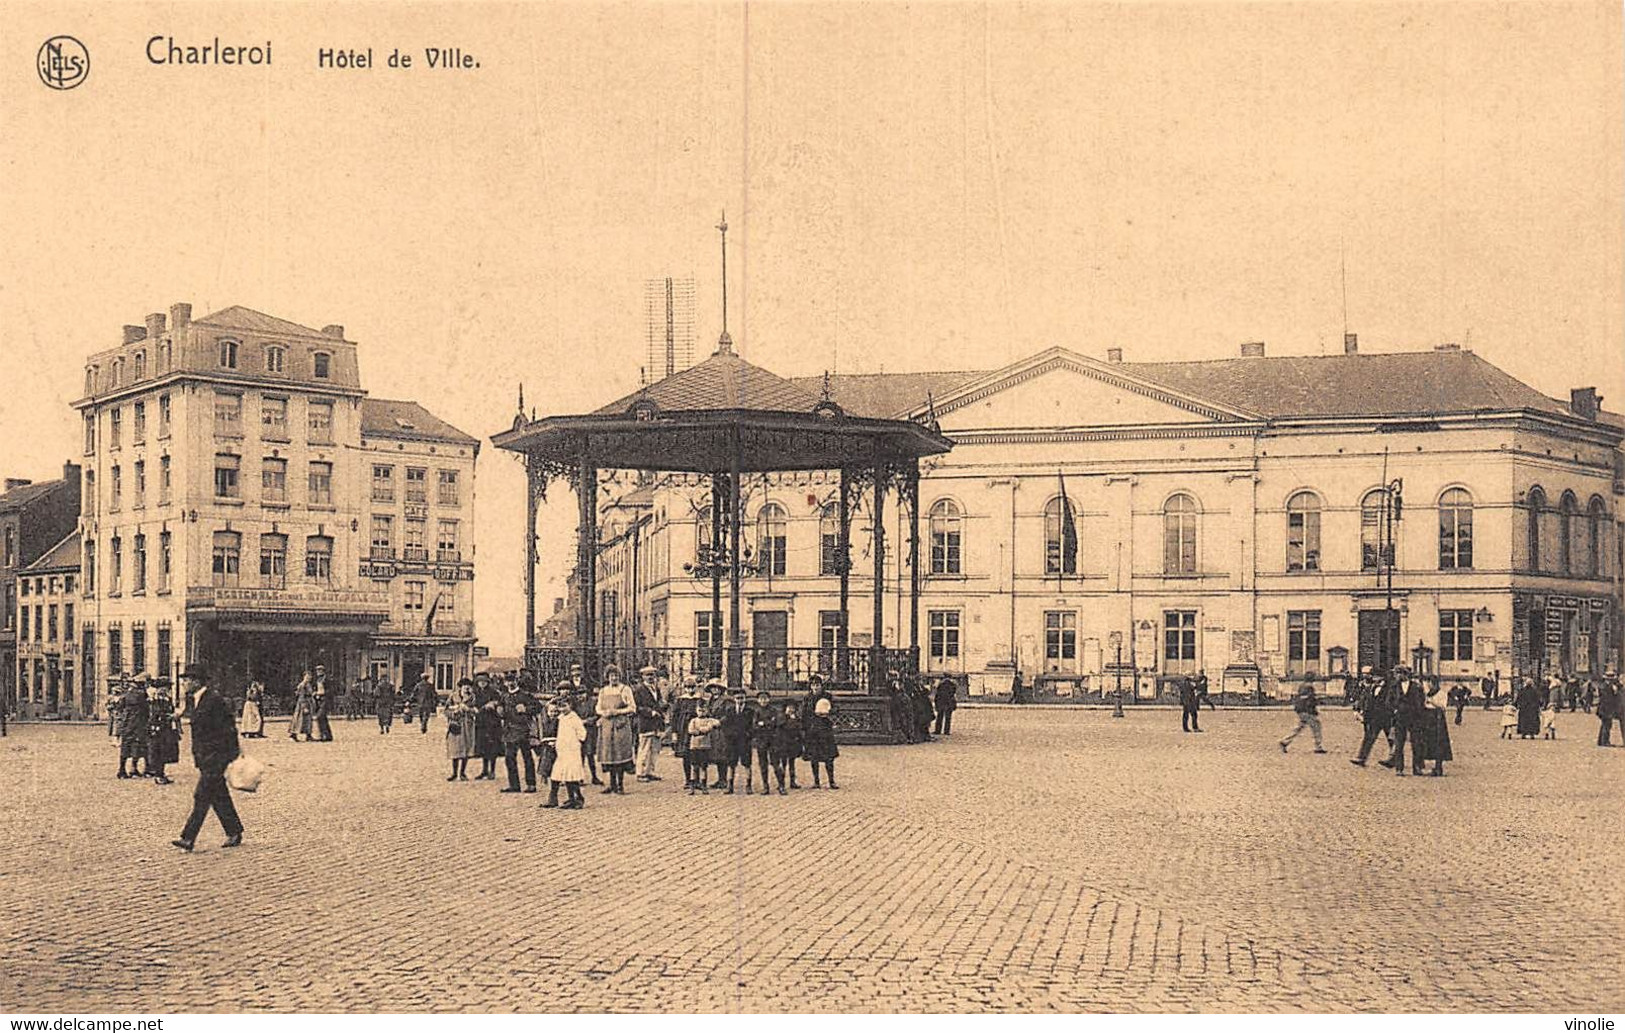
x=698, y=419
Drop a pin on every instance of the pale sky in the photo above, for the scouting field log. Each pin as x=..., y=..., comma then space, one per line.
x=931, y=186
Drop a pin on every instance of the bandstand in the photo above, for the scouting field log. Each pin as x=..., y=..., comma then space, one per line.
x=725, y=419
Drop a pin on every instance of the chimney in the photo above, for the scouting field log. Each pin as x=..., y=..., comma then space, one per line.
x=1448, y=346
x=17, y=482
x=1351, y=344
x=180, y=314
x=1114, y=355
x=1252, y=350
x=334, y=330
x=70, y=472
x=1584, y=402
x=133, y=333
x=155, y=325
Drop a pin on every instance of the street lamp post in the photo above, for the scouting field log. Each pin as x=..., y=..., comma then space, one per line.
x=1117, y=697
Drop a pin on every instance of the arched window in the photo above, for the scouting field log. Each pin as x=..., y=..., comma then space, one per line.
x=140, y=365
x=276, y=358
x=829, y=540
x=1179, y=535
x=1303, y=531
x=946, y=526
x=228, y=354
x=1566, y=509
x=1534, y=504
x=771, y=539
x=319, y=558
x=1456, y=530
x=1596, y=520
x=1060, y=537
x=1376, y=552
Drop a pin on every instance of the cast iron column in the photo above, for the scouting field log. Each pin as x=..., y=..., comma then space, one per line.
x=877, y=650
x=718, y=489
x=736, y=660
x=531, y=479
x=913, y=488
x=587, y=568
x=843, y=639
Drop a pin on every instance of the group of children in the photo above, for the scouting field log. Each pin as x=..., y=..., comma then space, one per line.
x=727, y=733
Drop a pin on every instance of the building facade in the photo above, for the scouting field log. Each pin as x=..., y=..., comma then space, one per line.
x=33, y=519
x=225, y=503
x=47, y=638
x=1104, y=523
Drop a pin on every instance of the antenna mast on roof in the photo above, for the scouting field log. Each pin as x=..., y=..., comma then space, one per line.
x=725, y=344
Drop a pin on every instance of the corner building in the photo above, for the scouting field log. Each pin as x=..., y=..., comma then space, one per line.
x=224, y=506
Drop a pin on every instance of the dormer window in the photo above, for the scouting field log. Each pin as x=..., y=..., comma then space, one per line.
x=163, y=358
x=228, y=354
x=322, y=365
x=140, y=365
x=276, y=358
x=90, y=380
x=118, y=372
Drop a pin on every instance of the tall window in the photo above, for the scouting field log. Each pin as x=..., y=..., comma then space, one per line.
x=383, y=484
x=319, y=422
x=115, y=426
x=1375, y=553
x=772, y=539
x=1455, y=634
x=1456, y=530
x=139, y=556
x=90, y=380
x=707, y=630
x=90, y=566
x=163, y=416
x=163, y=357
x=274, y=560
x=138, y=647
x=414, y=547
x=163, y=480
x=319, y=558
x=322, y=365
x=1060, y=537
x=1302, y=642
x=139, y=423
x=227, y=558
x=228, y=354
x=274, y=419
x=140, y=483
x=1534, y=507
x=87, y=495
x=274, y=480
x=67, y=622
x=115, y=650
x=140, y=365
x=448, y=488
x=321, y=484
x=164, y=650
x=829, y=541
x=118, y=372
x=226, y=469
x=1179, y=641
x=116, y=561
x=945, y=524
x=10, y=547
x=383, y=536
x=1566, y=508
x=115, y=497
x=51, y=614
x=414, y=597
x=90, y=434
x=276, y=359
x=417, y=484
x=228, y=415
x=944, y=637
x=1596, y=520
x=446, y=550
x=1179, y=535
x=1060, y=637
x=1303, y=531
x=165, y=561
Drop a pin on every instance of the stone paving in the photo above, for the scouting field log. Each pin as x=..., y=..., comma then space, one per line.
x=1036, y=861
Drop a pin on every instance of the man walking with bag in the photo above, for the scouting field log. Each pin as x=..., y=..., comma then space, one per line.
x=214, y=747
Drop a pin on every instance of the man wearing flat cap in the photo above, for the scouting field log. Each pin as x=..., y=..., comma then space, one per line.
x=650, y=723
x=214, y=747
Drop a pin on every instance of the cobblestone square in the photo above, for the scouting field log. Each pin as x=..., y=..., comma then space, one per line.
x=1039, y=860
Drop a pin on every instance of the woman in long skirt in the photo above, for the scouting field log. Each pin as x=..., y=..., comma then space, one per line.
x=1528, y=703
x=252, y=724
x=299, y=720
x=460, y=718
x=487, y=727
x=617, y=740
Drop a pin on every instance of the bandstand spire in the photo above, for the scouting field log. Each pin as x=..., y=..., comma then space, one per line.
x=725, y=343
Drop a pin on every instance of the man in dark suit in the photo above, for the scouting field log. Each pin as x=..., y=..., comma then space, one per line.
x=214, y=746
x=947, y=701
x=519, y=709
x=1188, y=706
x=1375, y=703
x=425, y=699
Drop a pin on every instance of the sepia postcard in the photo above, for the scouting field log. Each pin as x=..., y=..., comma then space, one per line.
x=793, y=508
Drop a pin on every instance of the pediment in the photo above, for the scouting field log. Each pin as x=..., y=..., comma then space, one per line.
x=1063, y=389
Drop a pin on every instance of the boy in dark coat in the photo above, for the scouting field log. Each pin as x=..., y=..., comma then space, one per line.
x=163, y=734
x=787, y=746
x=764, y=724
x=734, y=734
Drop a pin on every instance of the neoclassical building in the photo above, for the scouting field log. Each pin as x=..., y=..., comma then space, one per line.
x=1102, y=523
x=230, y=512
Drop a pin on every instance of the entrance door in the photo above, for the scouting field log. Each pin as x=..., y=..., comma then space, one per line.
x=769, y=639
x=1379, y=639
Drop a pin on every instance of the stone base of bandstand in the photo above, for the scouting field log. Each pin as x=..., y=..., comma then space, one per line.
x=862, y=720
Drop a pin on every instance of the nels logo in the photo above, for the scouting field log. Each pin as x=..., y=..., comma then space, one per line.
x=63, y=62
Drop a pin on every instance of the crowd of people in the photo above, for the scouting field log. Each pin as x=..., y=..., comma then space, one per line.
x=145, y=721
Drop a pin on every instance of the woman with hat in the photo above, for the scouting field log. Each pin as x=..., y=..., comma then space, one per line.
x=299, y=720
x=460, y=730
x=252, y=722
x=617, y=741
x=819, y=742
x=163, y=733
x=133, y=732
x=683, y=709
x=487, y=725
